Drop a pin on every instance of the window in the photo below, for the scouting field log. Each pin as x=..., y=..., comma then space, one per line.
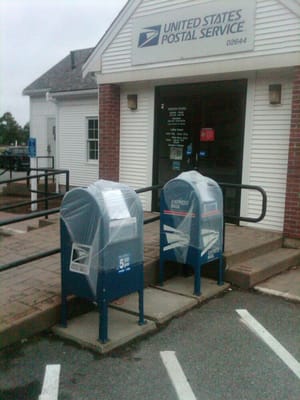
x=92, y=139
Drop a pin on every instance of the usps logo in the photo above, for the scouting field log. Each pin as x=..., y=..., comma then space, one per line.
x=149, y=36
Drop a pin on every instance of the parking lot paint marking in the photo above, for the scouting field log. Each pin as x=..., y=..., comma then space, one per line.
x=273, y=343
x=177, y=376
x=51, y=383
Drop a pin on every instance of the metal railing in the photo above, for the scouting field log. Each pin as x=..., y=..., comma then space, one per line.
x=224, y=186
x=9, y=162
x=240, y=187
x=48, y=196
x=51, y=158
x=147, y=221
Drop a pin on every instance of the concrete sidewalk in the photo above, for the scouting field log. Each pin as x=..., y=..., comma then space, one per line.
x=30, y=294
x=285, y=285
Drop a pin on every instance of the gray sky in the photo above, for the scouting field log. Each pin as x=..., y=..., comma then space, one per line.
x=36, y=34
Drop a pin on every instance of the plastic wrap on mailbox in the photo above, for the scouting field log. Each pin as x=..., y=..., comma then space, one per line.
x=191, y=224
x=105, y=224
x=101, y=232
x=189, y=198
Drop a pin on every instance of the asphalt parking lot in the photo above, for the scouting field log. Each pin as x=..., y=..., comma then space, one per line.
x=218, y=356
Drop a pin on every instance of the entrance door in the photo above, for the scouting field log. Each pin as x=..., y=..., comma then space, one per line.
x=51, y=139
x=201, y=126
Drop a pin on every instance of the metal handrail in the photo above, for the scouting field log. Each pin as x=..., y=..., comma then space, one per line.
x=27, y=203
x=43, y=157
x=32, y=215
x=149, y=220
x=47, y=195
x=48, y=172
x=223, y=185
x=238, y=218
x=148, y=189
x=26, y=260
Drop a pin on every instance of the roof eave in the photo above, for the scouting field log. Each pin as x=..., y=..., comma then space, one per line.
x=80, y=92
x=35, y=92
x=59, y=93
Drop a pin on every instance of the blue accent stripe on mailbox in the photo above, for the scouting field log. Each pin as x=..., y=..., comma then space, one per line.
x=179, y=213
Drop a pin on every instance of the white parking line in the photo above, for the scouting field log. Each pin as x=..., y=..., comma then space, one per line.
x=177, y=376
x=51, y=383
x=273, y=343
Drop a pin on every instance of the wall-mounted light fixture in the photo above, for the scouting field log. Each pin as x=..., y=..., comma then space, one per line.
x=275, y=94
x=132, y=101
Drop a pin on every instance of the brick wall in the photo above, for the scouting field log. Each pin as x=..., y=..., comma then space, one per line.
x=292, y=205
x=109, y=133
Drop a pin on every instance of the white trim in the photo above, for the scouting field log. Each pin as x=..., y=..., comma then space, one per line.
x=32, y=92
x=203, y=69
x=87, y=140
x=94, y=62
x=58, y=139
x=74, y=93
x=250, y=95
x=292, y=5
x=110, y=34
x=52, y=95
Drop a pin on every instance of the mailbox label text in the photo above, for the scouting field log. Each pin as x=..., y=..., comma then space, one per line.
x=80, y=258
x=124, y=264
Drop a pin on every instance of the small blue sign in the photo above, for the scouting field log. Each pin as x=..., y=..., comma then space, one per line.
x=176, y=165
x=189, y=149
x=124, y=264
x=32, y=147
x=203, y=154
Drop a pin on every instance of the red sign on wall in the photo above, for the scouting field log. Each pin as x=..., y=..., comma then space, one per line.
x=207, y=135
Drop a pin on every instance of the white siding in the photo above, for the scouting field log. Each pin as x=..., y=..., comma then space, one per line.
x=40, y=111
x=136, y=141
x=73, y=140
x=266, y=144
x=268, y=148
x=277, y=30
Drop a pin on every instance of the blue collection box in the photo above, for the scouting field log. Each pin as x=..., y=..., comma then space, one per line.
x=191, y=224
x=102, y=247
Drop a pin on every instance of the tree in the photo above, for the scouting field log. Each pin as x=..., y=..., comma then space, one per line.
x=10, y=130
x=25, y=133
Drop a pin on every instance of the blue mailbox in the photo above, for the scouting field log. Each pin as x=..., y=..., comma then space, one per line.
x=191, y=224
x=102, y=247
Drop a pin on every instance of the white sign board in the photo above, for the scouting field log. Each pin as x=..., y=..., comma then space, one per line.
x=115, y=204
x=218, y=27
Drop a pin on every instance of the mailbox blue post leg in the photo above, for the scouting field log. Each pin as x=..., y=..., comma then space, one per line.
x=141, y=296
x=197, y=264
x=220, y=276
x=103, y=321
x=141, y=307
x=65, y=244
x=161, y=271
x=197, y=282
x=64, y=310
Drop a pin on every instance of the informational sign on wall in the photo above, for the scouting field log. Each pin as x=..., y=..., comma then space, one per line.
x=32, y=147
x=176, y=134
x=218, y=27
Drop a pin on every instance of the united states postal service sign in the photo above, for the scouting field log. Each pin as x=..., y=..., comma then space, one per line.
x=217, y=27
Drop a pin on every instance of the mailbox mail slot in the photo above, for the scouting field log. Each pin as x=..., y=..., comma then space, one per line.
x=191, y=223
x=102, y=247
